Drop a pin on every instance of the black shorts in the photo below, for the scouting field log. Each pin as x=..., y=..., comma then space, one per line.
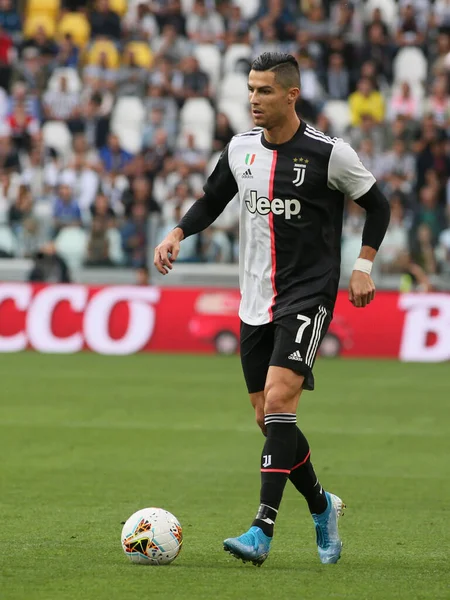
x=291, y=341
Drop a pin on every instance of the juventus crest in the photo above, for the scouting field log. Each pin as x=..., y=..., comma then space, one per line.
x=299, y=171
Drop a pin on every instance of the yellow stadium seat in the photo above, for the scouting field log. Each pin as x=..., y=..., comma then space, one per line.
x=103, y=47
x=33, y=23
x=142, y=54
x=77, y=26
x=118, y=6
x=43, y=7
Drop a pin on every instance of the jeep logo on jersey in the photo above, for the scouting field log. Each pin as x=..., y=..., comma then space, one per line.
x=299, y=171
x=263, y=206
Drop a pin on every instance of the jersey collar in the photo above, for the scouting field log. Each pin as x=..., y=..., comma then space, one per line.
x=293, y=139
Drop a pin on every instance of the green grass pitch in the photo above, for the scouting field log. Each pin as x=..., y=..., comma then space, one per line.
x=86, y=440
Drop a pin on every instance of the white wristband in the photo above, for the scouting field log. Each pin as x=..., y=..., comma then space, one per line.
x=364, y=265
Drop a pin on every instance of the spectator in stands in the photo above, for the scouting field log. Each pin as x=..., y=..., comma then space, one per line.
x=369, y=158
x=43, y=43
x=378, y=48
x=94, y=125
x=422, y=251
x=20, y=94
x=23, y=222
x=97, y=253
x=337, y=82
x=62, y=104
x=66, y=212
x=315, y=23
x=9, y=157
x=139, y=23
x=168, y=12
x=236, y=26
x=170, y=45
x=182, y=197
x=204, y=25
x=438, y=66
x=190, y=251
x=399, y=163
x=142, y=276
x=438, y=102
x=191, y=154
x=83, y=180
x=433, y=157
x=40, y=173
x=105, y=22
x=405, y=103
x=368, y=129
x=366, y=101
x=189, y=81
x=140, y=192
x=22, y=127
x=131, y=77
x=134, y=236
x=31, y=70
x=430, y=214
x=279, y=15
x=6, y=57
x=223, y=132
x=101, y=210
x=394, y=254
x=10, y=20
x=347, y=21
x=49, y=266
x=410, y=31
x=113, y=157
x=67, y=55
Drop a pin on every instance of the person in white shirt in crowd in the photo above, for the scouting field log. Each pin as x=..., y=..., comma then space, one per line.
x=204, y=25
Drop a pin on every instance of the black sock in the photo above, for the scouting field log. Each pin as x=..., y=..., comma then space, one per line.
x=304, y=478
x=276, y=462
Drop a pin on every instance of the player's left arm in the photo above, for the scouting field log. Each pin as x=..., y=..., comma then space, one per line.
x=362, y=288
x=347, y=174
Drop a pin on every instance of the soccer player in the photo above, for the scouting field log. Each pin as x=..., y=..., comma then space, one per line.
x=291, y=180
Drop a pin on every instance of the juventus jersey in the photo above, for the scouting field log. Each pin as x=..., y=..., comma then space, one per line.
x=291, y=208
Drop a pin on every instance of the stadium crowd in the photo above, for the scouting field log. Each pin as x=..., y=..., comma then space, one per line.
x=112, y=113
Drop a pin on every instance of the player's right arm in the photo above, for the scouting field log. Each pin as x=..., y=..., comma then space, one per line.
x=220, y=188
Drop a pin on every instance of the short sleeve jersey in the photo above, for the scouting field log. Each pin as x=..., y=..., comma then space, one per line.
x=291, y=207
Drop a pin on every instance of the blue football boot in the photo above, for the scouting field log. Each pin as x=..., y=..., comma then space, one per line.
x=329, y=543
x=252, y=546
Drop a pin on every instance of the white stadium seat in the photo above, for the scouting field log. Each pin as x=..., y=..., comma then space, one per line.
x=8, y=241
x=187, y=6
x=249, y=8
x=338, y=113
x=202, y=138
x=410, y=65
x=233, y=87
x=238, y=114
x=73, y=80
x=234, y=54
x=115, y=246
x=389, y=11
x=197, y=112
x=71, y=244
x=57, y=135
x=127, y=121
x=210, y=61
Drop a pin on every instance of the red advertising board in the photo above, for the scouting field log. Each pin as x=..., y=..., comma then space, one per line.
x=127, y=319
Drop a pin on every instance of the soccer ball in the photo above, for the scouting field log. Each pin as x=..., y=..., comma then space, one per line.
x=152, y=536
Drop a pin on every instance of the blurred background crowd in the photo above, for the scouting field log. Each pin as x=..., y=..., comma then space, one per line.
x=113, y=112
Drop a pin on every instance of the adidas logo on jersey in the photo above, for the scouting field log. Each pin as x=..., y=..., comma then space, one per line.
x=296, y=356
x=263, y=206
x=247, y=174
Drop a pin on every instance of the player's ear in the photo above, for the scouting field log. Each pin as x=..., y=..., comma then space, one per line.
x=293, y=95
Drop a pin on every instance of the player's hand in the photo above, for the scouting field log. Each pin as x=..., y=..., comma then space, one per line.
x=166, y=253
x=361, y=291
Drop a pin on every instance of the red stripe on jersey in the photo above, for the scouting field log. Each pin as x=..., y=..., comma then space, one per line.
x=272, y=234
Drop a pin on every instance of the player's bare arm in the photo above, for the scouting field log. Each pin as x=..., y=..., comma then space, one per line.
x=167, y=251
x=362, y=288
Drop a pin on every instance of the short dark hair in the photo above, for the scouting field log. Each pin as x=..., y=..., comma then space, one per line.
x=285, y=67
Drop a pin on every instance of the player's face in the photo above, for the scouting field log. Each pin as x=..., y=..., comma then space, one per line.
x=269, y=101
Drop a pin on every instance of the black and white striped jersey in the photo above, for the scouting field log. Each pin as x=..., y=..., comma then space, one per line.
x=291, y=207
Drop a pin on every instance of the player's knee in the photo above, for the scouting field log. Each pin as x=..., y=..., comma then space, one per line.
x=278, y=397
